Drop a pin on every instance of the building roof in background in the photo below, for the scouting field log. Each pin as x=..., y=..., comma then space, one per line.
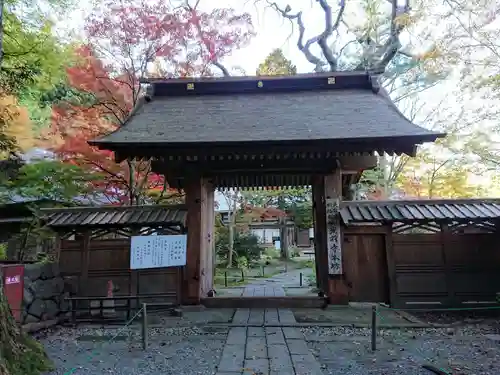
x=313, y=107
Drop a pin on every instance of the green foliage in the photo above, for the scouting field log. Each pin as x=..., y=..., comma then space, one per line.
x=51, y=180
x=276, y=64
x=246, y=246
x=242, y=263
x=34, y=59
x=31, y=360
x=3, y=251
x=35, y=50
x=271, y=253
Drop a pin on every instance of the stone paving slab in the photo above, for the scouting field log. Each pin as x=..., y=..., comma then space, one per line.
x=241, y=316
x=271, y=316
x=233, y=357
x=256, y=332
x=286, y=316
x=266, y=350
x=292, y=333
x=276, y=338
x=237, y=335
x=255, y=366
x=256, y=348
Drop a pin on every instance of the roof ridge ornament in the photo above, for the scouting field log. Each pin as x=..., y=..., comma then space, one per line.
x=150, y=92
x=375, y=81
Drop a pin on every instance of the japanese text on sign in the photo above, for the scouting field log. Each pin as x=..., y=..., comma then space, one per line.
x=158, y=251
x=12, y=280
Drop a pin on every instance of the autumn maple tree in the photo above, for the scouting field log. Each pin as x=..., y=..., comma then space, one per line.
x=124, y=40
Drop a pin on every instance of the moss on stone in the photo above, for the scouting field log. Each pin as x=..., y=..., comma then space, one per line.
x=20, y=354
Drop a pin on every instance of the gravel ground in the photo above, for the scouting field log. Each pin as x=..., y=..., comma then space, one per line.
x=171, y=351
x=458, y=351
x=490, y=317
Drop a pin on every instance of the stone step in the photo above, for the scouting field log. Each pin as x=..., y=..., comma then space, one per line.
x=264, y=302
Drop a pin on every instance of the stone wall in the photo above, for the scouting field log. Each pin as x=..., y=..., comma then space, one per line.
x=44, y=293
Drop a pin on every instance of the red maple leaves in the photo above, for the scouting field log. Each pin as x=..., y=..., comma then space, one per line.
x=184, y=39
x=124, y=39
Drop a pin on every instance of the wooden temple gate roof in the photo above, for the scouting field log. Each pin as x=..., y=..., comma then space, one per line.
x=346, y=108
x=264, y=131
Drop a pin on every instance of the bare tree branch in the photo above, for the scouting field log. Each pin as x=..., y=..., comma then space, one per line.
x=384, y=53
x=305, y=48
x=330, y=27
x=223, y=69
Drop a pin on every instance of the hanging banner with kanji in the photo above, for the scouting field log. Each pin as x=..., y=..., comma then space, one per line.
x=158, y=251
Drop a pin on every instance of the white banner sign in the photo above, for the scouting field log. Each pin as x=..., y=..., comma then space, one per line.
x=158, y=251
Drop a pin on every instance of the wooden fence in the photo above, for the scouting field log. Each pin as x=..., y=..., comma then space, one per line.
x=446, y=269
x=109, y=259
x=421, y=270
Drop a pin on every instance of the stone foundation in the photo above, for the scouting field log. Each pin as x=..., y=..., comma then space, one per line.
x=44, y=293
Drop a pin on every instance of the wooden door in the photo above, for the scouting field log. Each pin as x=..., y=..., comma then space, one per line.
x=366, y=267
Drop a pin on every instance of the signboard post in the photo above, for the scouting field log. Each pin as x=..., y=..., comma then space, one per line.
x=13, y=283
x=158, y=251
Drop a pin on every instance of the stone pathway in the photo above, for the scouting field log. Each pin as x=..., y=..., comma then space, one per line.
x=289, y=279
x=261, y=346
x=266, y=350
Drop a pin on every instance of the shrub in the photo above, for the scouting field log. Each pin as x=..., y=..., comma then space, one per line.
x=3, y=251
x=271, y=253
x=245, y=245
x=295, y=253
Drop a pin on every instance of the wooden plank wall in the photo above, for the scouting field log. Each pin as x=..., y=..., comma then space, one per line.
x=446, y=269
x=110, y=260
x=365, y=267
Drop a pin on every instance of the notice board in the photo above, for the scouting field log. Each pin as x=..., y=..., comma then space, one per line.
x=158, y=251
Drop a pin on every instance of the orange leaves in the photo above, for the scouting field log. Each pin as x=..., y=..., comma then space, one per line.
x=15, y=123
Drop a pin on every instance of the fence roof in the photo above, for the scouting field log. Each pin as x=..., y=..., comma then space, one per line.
x=420, y=210
x=116, y=216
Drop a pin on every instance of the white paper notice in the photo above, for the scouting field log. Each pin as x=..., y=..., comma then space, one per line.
x=158, y=251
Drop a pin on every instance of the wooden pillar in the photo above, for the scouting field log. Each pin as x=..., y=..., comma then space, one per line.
x=198, y=272
x=320, y=251
x=391, y=266
x=327, y=195
x=338, y=291
x=284, y=238
x=445, y=235
x=85, y=262
x=57, y=247
x=208, y=240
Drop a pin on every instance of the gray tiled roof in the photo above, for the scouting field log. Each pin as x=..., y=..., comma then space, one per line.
x=293, y=116
x=420, y=210
x=116, y=216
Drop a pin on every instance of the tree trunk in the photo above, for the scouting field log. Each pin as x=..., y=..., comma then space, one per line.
x=232, y=226
x=1, y=30
x=19, y=353
x=283, y=238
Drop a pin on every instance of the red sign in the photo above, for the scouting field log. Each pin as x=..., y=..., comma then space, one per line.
x=13, y=281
